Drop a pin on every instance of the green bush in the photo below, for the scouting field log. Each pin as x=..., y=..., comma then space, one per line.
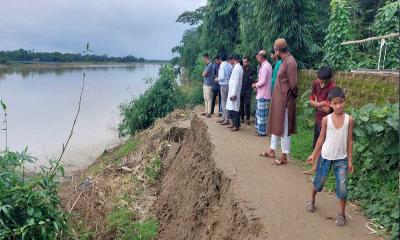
x=374, y=183
x=159, y=100
x=29, y=205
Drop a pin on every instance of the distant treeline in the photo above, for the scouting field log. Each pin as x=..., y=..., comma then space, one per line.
x=22, y=55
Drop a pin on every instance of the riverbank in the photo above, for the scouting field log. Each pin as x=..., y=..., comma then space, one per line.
x=176, y=180
x=162, y=183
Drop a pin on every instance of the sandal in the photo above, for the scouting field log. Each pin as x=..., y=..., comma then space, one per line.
x=310, y=207
x=277, y=162
x=259, y=135
x=265, y=154
x=340, y=220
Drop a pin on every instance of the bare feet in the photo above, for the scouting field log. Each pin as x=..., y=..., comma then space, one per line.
x=208, y=115
x=283, y=158
x=235, y=129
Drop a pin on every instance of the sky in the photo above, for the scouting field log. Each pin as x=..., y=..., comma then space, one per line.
x=142, y=28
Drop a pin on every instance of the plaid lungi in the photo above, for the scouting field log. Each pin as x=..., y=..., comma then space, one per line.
x=262, y=116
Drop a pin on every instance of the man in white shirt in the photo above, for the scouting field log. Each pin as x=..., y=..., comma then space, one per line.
x=235, y=86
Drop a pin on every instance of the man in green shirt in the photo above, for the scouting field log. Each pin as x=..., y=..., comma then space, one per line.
x=278, y=62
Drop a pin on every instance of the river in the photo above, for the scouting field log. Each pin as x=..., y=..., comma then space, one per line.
x=42, y=103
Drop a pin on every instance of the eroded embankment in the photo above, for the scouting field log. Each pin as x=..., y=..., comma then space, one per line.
x=166, y=173
x=196, y=200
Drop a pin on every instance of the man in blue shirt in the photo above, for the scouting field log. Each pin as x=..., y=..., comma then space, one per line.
x=224, y=74
x=208, y=81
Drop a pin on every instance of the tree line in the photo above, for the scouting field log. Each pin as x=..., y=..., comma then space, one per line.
x=314, y=30
x=31, y=55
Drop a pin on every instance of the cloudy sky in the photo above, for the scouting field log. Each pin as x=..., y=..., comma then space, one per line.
x=143, y=28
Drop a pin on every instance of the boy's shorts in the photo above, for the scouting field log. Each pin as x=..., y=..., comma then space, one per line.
x=340, y=170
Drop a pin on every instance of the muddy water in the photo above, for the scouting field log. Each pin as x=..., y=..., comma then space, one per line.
x=42, y=103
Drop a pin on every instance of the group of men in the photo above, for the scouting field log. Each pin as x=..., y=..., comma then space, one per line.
x=234, y=81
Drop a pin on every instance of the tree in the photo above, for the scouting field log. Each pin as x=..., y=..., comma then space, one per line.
x=192, y=17
x=340, y=29
x=387, y=21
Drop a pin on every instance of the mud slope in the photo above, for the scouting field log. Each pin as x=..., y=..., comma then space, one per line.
x=195, y=200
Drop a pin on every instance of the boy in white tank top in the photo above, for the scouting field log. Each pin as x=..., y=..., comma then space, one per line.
x=334, y=149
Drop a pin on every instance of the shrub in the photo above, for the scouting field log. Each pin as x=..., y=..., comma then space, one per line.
x=159, y=100
x=29, y=205
x=374, y=183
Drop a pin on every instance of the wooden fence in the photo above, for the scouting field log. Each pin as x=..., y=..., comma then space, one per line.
x=360, y=88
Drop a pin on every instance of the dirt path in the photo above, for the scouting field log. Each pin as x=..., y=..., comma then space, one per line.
x=276, y=195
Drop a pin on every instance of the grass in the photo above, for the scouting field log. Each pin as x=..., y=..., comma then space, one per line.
x=123, y=221
x=115, y=157
x=153, y=169
x=302, y=148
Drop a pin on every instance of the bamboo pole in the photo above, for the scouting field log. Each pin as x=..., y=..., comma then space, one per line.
x=392, y=35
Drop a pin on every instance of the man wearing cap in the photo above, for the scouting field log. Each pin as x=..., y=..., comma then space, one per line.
x=235, y=86
x=282, y=119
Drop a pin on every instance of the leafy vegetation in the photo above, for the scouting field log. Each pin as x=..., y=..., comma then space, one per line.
x=376, y=159
x=340, y=29
x=160, y=99
x=313, y=30
x=385, y=22
x=29, y=204
x=31, y=55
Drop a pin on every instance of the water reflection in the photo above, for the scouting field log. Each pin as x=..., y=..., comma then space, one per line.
x=29, y=71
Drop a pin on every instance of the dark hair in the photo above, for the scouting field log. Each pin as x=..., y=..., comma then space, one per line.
x=206, y=55
x=236, y=57
x=223, y=56
x=325, y=73
x=284, y=50
x=230, y=57
x=217, y=57
x=246, y=57
x=336, y=92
